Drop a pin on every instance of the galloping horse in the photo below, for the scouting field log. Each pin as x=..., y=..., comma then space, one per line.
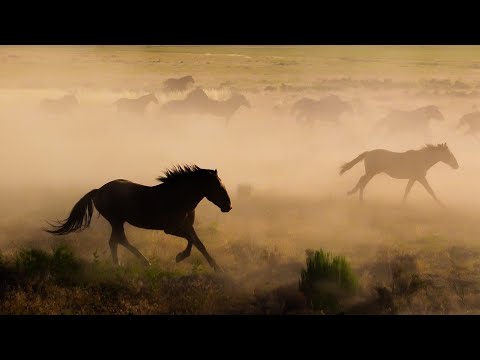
x=472, y=120
x=169, y=206
x=198, y=102
x=59, y=106
x=178, y=84
x=326, y=109
x=412, y=165
x=136, y=106
x=417, y=121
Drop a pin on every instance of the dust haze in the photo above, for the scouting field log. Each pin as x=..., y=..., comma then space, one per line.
x=298, y=199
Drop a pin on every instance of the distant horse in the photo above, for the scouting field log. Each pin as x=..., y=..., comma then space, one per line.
x=472, y=120
x=136, y=106
x=178, y=84
x=198, y=102
x=416, y=121
x=412, y=165
x=326, y=109
x=169, y=206
x=62, y=105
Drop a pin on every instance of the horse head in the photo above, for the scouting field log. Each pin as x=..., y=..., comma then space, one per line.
x=432, y=112
x=151, y=97
x=240, y=100
x=216, y=192
x=189, y=79
x=446, y=155
x=70, y=99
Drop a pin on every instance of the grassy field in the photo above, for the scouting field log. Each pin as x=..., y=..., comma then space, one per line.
x=407, y=259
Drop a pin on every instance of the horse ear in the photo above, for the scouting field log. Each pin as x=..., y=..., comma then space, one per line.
x=216, y=171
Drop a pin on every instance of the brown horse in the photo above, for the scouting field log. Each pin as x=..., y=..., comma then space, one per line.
x=178, y=84
x=327, y=109
x=472, y=121
x=136, y=106
x=198, y=102
x=412, y=165
x=62, y=105
x=415, y=121
x=169, y=206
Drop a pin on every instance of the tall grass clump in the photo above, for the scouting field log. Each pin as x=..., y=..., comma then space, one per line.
x=61, y=264
x=326, y=280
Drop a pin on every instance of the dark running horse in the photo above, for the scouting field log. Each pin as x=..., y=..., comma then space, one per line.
x=472, y=120
x=178, y=84
x=136, y=106
x=198, y=102
x=412, y=165
x=326, y=109
x=62, y=105
x=416, y=121
x=169, y=206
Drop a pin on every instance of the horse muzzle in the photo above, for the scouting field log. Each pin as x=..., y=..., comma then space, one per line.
x=227, y=208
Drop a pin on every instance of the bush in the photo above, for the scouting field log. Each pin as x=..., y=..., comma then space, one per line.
x=326, y=280
x=61, y=264
x=33, y=262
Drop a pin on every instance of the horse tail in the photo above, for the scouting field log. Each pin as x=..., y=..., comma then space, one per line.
x=349, y=165
x=79, y=218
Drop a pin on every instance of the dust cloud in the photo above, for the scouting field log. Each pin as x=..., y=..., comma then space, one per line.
x=298, y=199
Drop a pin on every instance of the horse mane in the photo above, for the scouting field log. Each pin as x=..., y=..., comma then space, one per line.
x=178, y=172
x=435, y=147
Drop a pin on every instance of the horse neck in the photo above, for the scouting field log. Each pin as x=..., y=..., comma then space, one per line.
x=144, y=100
x=232, y=104
x=422, y=114
x=430, y=157
x=188, y=192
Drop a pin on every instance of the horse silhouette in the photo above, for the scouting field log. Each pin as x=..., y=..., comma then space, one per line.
x=412, y=165
x=136, y=106
x=61, y=105
x=414, y=121
x=169, y=206
x=198, y=102
x=178, y=84
x=326, y=109
x=472, y=120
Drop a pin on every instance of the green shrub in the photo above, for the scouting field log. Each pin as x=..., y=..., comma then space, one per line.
x=33, y=262
x=64, y=266
x=61, y=265
x=326, y=280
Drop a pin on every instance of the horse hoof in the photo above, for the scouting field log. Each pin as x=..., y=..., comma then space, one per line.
x=180, y=257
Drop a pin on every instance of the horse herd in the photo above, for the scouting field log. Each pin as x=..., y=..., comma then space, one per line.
x=170, y=206
x=306, y=110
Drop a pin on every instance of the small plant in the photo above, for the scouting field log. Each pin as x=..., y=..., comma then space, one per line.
x=61, y=264
x=64, y=266
x=213, y=228
x=33, y=262
x=326, y=279
x=96, y=257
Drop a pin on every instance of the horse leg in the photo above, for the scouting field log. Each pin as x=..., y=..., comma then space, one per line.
x=366, y=179
x=114, y=244
x=185, y=253
x=408, y=188
x=199, y=245
x=123, y=241
x=427, y=187
x=361, y=183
